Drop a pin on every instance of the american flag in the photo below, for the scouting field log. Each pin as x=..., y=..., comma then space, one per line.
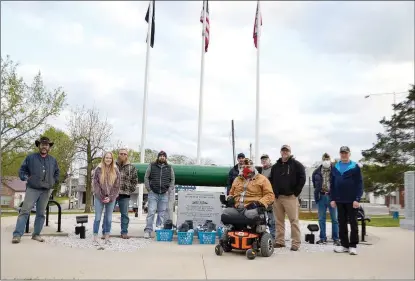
x=207, y=24
x=257, y=15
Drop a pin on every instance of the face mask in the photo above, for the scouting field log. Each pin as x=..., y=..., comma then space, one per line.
x=326, y=163
x=246, y=172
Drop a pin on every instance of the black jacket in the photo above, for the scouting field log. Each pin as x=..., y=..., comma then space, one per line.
x=287, y=178
x=233, y=173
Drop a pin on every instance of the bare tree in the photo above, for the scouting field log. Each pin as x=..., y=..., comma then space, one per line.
x=91, y=135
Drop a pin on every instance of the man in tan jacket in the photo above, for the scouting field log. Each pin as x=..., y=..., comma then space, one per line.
x=249, y=191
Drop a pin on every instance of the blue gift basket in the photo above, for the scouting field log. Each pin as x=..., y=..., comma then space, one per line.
x=164, y=235
x=185, y=238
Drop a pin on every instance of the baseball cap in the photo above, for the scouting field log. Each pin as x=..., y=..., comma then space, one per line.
x=241, y=155
x=264, y=156
x=344, y=149
x=286, y=146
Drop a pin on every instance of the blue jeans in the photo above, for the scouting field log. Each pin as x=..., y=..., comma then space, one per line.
x=156, y=203
x=33, y=196
x=323, y=204
x=99, y=208
x=124, y=203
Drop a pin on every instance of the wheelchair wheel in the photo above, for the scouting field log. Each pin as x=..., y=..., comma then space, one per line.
x=218, y=250
x=267, y=247
x=251, y=254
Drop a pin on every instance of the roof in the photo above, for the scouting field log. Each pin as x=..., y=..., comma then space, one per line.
x=15, y=183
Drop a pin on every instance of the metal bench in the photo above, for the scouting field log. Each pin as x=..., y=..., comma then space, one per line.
x=33, y=211
x=363, y=219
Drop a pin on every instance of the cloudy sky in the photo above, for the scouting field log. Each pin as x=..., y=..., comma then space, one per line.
x=318, y=61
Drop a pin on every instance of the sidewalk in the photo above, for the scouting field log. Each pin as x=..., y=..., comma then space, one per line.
x=160, y=260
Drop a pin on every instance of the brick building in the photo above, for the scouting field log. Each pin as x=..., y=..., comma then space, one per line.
x=12, y=192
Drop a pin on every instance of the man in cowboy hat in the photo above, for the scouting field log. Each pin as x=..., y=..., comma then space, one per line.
x=41, y=172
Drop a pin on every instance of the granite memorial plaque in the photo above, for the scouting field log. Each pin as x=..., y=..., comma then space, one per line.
x=408, y=222
x=199, y=206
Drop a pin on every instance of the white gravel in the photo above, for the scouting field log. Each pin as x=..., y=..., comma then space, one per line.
x=73, y=240
x=134, y=244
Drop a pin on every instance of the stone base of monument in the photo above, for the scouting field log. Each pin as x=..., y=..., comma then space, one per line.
x=47, y=231
x=407, y=224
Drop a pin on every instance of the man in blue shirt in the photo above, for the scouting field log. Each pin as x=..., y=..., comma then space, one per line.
x=346, y=191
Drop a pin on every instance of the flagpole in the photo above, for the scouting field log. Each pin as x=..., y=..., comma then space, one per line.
x=146, y=78
x=258, y=25
x=202, y=74
x=144, y=121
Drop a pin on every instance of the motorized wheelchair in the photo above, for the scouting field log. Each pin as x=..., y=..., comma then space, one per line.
x=244, y=234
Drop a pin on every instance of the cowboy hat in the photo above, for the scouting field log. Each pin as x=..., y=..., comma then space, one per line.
x=43, y=140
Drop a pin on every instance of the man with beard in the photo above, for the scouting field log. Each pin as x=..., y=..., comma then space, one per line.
x=159, y=181
x=249, y=192
x=287, y=179
x=129, y=181
x=235, y=171
x=41, y=172
x=266, y=171
x=322, y=184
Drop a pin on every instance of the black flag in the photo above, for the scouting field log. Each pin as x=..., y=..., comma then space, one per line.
x=153, y=27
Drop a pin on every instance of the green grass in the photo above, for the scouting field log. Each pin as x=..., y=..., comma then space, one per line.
x=61, y=199
x=376, y=221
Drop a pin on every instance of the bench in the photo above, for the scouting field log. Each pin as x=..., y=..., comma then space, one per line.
x=33, y=211
x=363, y=219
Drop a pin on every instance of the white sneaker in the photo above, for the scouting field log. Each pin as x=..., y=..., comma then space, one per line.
x=353, y=251
x=341, y=249
x=147, y=235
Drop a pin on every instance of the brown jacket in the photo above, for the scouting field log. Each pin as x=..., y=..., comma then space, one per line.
x=258, y=189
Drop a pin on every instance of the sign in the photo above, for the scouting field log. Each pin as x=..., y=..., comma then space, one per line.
x=185, y=187
x=199, y=207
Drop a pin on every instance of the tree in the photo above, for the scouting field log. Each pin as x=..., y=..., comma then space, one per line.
x=184, y=160
x=24, y=110
x=91, y=136
x=394, y=152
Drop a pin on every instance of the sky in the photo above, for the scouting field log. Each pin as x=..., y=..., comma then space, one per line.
x=317, y=62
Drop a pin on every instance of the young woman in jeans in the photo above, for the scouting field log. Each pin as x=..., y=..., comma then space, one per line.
x=106, y=188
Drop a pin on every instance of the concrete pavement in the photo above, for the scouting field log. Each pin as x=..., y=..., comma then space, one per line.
x=391, y=257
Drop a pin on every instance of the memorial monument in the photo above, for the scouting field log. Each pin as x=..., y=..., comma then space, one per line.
x=199, y=206
x=409, y=180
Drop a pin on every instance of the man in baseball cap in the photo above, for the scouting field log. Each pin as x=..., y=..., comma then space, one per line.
x=234, y=172
x=287, y=178
x=345, y=194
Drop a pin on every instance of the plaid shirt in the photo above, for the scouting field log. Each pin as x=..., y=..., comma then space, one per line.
x=129, y=178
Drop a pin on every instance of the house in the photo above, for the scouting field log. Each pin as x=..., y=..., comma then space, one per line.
x=307, y=194
x=12, y=192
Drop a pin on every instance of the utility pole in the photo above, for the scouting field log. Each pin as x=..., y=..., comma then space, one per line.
x=233, y=143
x=70, y=186
x=250, y=151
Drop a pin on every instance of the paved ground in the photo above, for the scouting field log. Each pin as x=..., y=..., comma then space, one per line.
x=392, y=256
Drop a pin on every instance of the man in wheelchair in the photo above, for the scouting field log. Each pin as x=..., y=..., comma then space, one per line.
x=245, y=217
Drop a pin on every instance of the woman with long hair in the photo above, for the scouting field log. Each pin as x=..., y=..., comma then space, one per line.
x=106, y=188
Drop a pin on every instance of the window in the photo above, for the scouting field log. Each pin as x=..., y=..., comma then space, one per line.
x=5, y=200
